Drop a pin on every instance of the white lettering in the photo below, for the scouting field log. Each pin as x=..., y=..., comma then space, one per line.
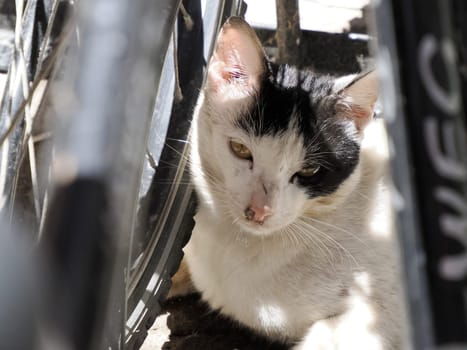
x=445, y=164
x=453, y=267
x=449, y=102
x=444, y=150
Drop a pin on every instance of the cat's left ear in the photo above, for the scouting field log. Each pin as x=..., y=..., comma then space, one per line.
x=357, y=96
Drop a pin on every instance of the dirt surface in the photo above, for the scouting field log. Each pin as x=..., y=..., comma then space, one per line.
x=188, y=324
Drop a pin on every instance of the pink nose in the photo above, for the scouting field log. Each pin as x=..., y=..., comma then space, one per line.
x=256, y=214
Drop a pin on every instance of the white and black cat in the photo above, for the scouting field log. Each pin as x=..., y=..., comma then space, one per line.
x=293, y=235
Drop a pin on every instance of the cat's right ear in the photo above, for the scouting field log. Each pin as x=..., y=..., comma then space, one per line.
x=238, y=63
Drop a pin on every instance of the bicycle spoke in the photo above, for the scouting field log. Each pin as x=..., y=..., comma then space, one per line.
x=35, y=185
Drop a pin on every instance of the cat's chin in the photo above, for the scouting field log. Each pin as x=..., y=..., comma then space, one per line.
x=256, y=229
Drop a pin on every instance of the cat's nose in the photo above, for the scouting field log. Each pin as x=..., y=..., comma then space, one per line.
x=257, y=214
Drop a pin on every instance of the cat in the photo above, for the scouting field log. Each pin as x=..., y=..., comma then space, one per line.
x=293, y=235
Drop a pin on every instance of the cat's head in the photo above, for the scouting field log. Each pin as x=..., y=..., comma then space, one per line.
x=271, y=143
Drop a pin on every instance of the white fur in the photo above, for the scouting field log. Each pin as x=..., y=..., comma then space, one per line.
x=287, y=284
x=318, y=273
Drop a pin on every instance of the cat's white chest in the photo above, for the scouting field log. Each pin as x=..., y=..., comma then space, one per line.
x=255, y=284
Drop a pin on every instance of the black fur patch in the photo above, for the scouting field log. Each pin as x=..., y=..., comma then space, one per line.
x=292, y=97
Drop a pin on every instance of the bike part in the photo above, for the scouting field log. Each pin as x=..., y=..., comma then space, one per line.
x=98, y=163
x=169, y=203
x=88, y=211
x=429, y=162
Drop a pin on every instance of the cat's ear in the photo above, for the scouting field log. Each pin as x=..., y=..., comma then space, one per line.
x=238, y=63
x=357, y=96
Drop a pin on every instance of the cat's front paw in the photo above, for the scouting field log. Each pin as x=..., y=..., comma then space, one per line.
x=340, y=333
x=319, y=337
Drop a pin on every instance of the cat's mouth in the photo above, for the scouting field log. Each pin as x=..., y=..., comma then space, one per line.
x=264, y=228
x=255, y=228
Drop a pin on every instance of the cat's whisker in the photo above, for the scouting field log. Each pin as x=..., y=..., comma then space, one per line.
x=315, y=141
x=175, y=164
x=185, y=183
x=208, y=178
x=364, y=196
x=330, y=256
x=178, y=140
x=353, y=235
x=294, y=235
x=163, y=164
x=206, y=175
x=229, y=200
x=330, y=239
x=317, y=154
x=325, y=165
x=306, y=238
x=182, y=155
x=341, y=248
x=261, y=120
x=225, y=203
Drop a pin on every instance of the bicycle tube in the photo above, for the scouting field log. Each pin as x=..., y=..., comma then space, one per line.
x=102, y=142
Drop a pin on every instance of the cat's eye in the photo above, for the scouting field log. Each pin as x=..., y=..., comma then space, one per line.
x=309, y=171
x=240, y=150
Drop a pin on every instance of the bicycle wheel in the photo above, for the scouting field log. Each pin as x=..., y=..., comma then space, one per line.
x=37, y=48
x=168, y=202
x=86, y=194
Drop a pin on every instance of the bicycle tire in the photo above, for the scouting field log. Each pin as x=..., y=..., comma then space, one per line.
x=175, y=205
x=83, y=239
x=174, y=230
